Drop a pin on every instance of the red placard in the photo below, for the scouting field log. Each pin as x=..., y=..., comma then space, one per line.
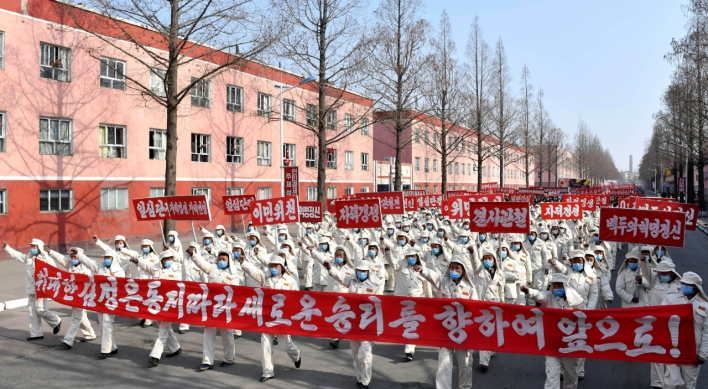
x=427, y=201
x=172, y=208
x=638, y=226
x=619, y=334
x=359, y=213
x=691, y=210
x=489, y=186
x=506, y=190
x=458, y=206
x=660, y=199
x=512, y=218
x=587, y=202
x=291, y=181
x=275, y=211
x=533, y=191
x=416, y=192
x=456, y=193
x=621, y=192
x=237, y=205
x=626, y=202
x=391, y=202
x=561, y=211
x=310, y=211
x=521, y=198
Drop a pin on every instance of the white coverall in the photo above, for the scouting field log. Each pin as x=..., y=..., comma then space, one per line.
x=686, y=376
x=489, y=287
x=409, y=283
x=79, y=319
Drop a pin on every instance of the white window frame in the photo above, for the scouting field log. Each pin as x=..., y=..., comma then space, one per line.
x=3, y=131
x=417, y=164
x=348, y=123
x=2, y=50
x=289, y=110
x=416, y=135
x=331, y=192
x=364, y=189
x=426, y=165
x=59, y=192
x=112, y=73
x=3, y=201
x=234, y=98
x=264, y=104
x=54, y=62
x=201, y=93
x=332, y=120
x=365, y=126
x=435, y=189
x=289, y=153
x=111, y=201
x=311, y=193
x=348, y=160
x=265, y=192
x=203, y=190
x=457, y=168
x=157, y=151
x=365, y=161
x=265, y=155
x=158, y=86
x=332, y=162
x=234, y=191
x=157, y=192
x=201, y=147
x=435, y=166
x=234, y=149
x=349, y=190
x=115, y=149
x=311, y=115
x=311, y=157
x=50, y=139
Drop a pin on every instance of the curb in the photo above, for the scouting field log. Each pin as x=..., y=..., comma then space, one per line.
x=13, y=304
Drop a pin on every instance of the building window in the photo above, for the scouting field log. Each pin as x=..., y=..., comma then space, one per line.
x=3, y=135
x=364, y=189
x=426, y=139
x=310, y=156
x=435, y=189
x=157, y=82
x=234, y=98
x=364, y=161
x=264, y=105
x=457, y=167
x=311, y=193
x=158, y=144
x=234, y=191
x=288, y=154
x=311, y=111
x=2, y=50
x=417, y=164
x=331, y=159
x=201, y=93
x=265, y=193
x=332, y=192
x=55, y=137
x=348, y=160
x=348, y=123
x=201, y=148
x=112, y=142
x=3, y=201
x=449, y=168
x=112, y=73
x=332, y=120
x=469, y=169
x=54, y=62
x=264, y=154
x=157, y=192
x=289, y=110
x=202, y=191
x=416, y=135
x=112, y=199
x=234, y=149
x=426, y=164
x=435, y=165
x=56, y=200
x=435, y=138
x=349, y=190
x=365, y=126
x=427, y=188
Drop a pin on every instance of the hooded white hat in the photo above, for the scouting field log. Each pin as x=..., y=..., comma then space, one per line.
x=571, y=295
x=694, y=279
x=666, y=266
x=278, y=260
x=121, y=237
x=148, y=242
x=38, y=243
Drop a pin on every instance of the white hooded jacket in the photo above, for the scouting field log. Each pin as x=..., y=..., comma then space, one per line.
x=28, y=259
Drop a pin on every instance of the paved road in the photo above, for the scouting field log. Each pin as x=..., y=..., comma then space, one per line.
x=42, y=364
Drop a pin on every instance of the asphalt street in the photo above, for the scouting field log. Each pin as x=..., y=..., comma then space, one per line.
x=42, y=364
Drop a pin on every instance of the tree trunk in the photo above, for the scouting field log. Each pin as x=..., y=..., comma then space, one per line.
x=171, y=85
x=321, y=102
x=501, y=164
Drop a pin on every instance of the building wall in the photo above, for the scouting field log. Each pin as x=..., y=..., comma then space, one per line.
x=26, y=97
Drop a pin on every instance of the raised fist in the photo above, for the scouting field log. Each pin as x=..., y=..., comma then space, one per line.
x=95, y=238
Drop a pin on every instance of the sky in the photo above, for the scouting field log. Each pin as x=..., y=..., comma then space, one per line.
x=600, y=61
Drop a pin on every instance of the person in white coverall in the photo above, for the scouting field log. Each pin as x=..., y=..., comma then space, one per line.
x=37, y=308
x=488, y=280
x=686, y=376
x=561, y=296
x=343, y=264
x=663, y=281
x=454, y=283
x=147, y=251
x=110, y=266
x=119, y=243
x=362, y=282
x=79, y=319
x=278, y=278
x=632, y=284
x=167, y=270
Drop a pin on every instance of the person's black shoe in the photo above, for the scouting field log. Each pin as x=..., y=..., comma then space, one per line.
x=154, y=361
x=580, y=377
x=65, y=346
x=298, y=362
x=483, y=368
x=275, y=341
x=174, y=354
x=57, y=328
x=114, y=352
x=334, y=343
x=409, y=357
x=264, y=379
x=205, y=367
x=364, y=386
x=226, y=364
x=561, y=377
x=31, y=338
x=105, y=355
x=142, y=323
x=359, y=384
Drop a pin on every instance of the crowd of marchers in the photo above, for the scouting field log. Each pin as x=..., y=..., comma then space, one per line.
x=419, y=254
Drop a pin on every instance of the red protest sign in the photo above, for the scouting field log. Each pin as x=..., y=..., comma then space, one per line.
x=359, y=213
x=489, y=186
x=512, y=218
x=521, y=198
x=428, y=201
x=310, y=211
x=621, y=192
x=639, y=226
x=237, y=205
x=275, y=211
x=391, y=202
x=506, y=190
x=291, y=181
x=416, y=192
x=458, y=206
x=619, y=334
x=587, y=202
x=172, y=208
x=627, y=202
x=455, y=193
x=561, y=211
x=691, y=210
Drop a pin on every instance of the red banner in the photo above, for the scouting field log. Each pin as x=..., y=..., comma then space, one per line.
x=459, y=207
x=638, y=226
x=275, y=211
x=561, y=211
x=359, y=213
x=691, y=210
x=512, y=218
x=621, y=192
x=237, y=205
x=658, y=334
x=533, y=191
x=291, y=181
x=456, y=193
x=627, y=202
x=417, y=192
x=172, y=208
x=587, y=203
x=521, y=198
x=506, y=190
x=310, y=211
x=489, y=186
x=391, y=202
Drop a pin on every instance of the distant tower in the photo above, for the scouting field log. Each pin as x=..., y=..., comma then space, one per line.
x=630, y=168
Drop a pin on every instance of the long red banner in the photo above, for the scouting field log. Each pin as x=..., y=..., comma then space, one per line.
x=658, y=334
x=640, y=226
x=193, y=207
x=391, y=202
x=691, y=210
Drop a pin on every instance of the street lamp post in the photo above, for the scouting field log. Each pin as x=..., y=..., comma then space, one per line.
x=282, y=152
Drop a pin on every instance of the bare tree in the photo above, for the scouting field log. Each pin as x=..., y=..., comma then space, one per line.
x=542, y=124
x=395, y=69
x=525, y=119
x=209, y=36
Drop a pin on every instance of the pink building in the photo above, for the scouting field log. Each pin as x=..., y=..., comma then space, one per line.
x=421, y=142
x=76, y=145
x=563, y=166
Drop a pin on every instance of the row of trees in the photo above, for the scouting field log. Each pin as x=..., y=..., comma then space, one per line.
x=591, y=160
x=678, y=140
